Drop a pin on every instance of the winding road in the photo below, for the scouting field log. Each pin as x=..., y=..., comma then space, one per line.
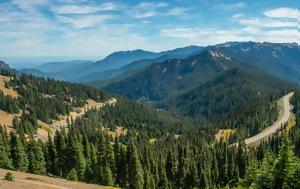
x=284, y=115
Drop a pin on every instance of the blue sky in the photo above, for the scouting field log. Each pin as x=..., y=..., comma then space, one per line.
x=90, y=29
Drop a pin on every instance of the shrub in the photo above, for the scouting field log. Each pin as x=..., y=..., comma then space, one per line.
x=9, y=176
x=72, y=175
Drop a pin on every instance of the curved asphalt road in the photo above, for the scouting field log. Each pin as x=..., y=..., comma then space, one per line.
x=284, y=115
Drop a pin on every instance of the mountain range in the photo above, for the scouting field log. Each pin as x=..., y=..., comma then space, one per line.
x=111, y=66
x=176, y=76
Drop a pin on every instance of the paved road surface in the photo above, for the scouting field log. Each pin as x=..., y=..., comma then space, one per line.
x=284, y=115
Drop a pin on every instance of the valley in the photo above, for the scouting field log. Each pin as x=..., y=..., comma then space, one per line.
x=160, y=120
x=184, y=94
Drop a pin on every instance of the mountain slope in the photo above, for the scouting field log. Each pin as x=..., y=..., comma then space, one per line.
x=3, y=65
x=167, y=79
x=56, y=67
x=228, y=93
x=33, y=181
x=121, y=58
x=278, y=59
x=171, y=77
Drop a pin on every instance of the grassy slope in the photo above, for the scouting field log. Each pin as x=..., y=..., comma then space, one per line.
x=31, y=181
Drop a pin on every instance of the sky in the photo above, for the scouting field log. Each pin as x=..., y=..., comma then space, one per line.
x=44, y=30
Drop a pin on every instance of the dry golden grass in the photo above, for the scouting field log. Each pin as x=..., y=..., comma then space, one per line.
x=7, y=91
x=31, y=181
x=291, y=123
x=42, y=132
x=152, y=140
x=118, y=132
x=6, y=119
x=176, y=136
x=224, y=134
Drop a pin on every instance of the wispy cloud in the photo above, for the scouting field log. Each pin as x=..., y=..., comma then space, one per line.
x=85, y=21
x=149, y=5
x=283, y=12
x=145, y=14
x=145, y=10
x=83, y=9
x=95, y=28
x=265, y=22
x=176, y=11
x=208, y=36
x=233, y=6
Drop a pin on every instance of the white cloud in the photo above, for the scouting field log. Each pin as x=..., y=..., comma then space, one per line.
x=210, y=36
x=81, y=9
x=176, y=11
x=145, y=14
x=283, y=12
x=147, y=9
x=262, y=22
x=233, y=6
x=239, y=15
x=148, y=5
x=85, y=21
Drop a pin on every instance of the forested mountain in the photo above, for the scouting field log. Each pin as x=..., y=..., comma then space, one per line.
x=278, y=59
x=54, y=67
x=121, y=58
x=159, y=81
x=35, y=72
x=173, y=76
x=228, y=93
x=103, y=78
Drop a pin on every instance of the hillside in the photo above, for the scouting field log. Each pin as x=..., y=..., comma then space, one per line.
x=3, y=65
x=278, y=59
x=158, y=81
x=32, y=181
x=231, y=91
x=34, y=105
x=172, y=77
x=119, y=142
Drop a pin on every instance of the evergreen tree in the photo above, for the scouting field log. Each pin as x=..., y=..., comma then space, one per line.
x=36, y=159
x=17, y=153
x=5, y=162
x=134, y=168
x=51, y=157
x=204, y=183
x=265, y=173
x=75, y=154
x=171, y=166
x=61, y=148
x=72, y=175
x=284, y=165
x=182, y=165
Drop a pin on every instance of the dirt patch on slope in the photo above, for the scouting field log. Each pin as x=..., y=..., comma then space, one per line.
x=42, y=132
x=7, y=91
x=6, y=119
x=224, y=134
x=31, y=181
